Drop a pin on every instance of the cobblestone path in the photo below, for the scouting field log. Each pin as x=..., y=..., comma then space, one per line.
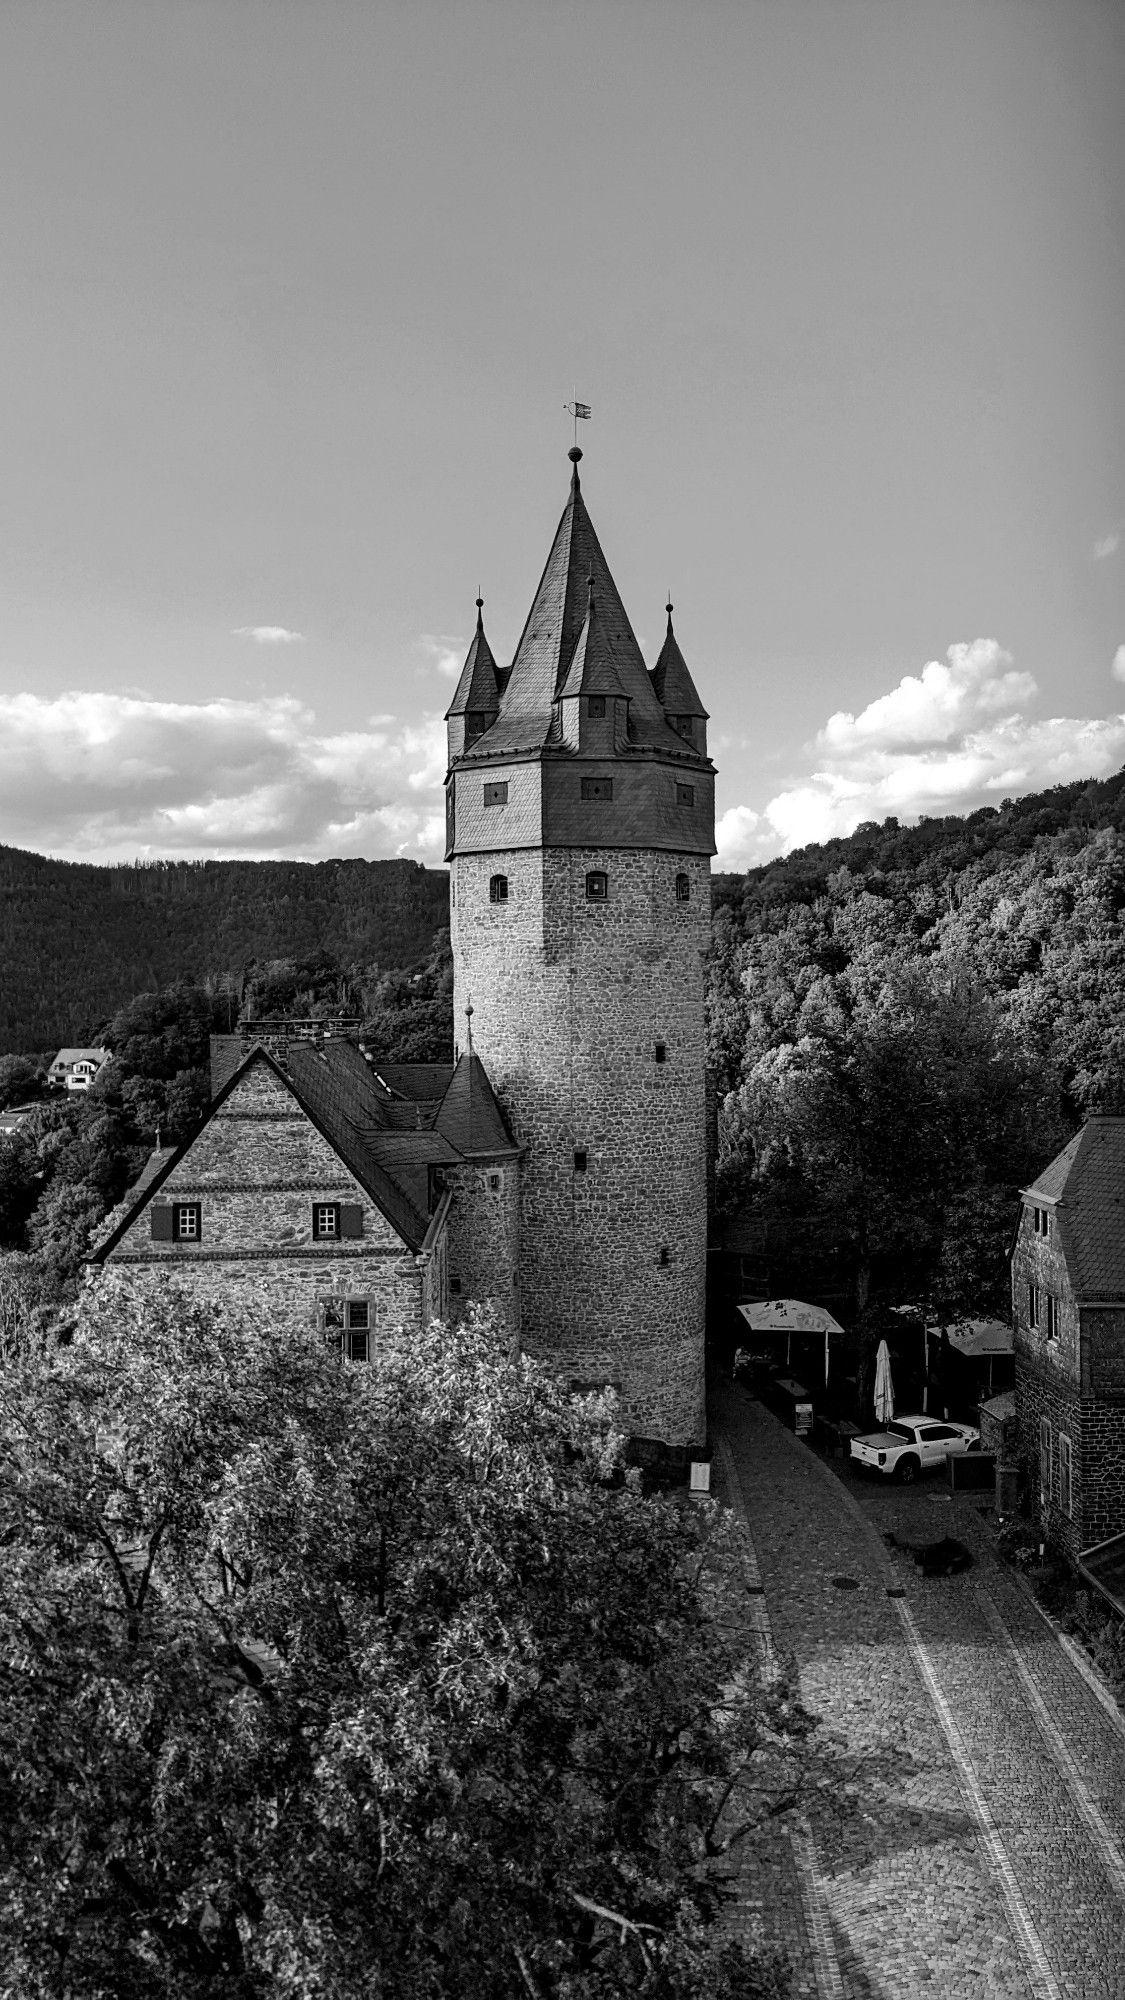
x=968, y=1837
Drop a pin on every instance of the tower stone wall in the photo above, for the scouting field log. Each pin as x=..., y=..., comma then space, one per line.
x=572, y=1002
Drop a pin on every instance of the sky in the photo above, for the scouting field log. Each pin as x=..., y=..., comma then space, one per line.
x=294, y=295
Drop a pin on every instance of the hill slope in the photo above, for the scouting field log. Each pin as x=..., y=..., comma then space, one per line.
x=78, y=941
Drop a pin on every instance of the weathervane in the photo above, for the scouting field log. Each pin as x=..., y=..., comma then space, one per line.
x=576, y=410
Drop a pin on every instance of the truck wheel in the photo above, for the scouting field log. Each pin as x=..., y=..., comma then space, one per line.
x=907, y=1470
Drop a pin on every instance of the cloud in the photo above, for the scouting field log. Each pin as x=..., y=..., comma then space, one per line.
x=954, y=737
x=1107, y=545
x=111, y=776
x=269, y=635
x=445, y=654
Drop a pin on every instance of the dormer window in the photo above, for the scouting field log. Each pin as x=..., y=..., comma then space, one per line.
x=597, y=706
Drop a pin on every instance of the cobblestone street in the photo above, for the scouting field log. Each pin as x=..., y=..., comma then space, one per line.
x=970, y=1839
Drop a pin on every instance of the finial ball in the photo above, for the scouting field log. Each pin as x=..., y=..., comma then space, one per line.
x=575, y=453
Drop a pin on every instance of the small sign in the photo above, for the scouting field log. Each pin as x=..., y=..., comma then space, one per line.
x=700, y=1475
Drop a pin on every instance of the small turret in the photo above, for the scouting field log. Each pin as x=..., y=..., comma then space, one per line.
x=476, y=702
x=675, y=691
x=593, y=707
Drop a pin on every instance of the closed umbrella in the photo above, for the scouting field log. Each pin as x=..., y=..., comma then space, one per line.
x=884, y=1387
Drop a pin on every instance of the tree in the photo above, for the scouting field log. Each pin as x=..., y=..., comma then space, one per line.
x=322, y=1679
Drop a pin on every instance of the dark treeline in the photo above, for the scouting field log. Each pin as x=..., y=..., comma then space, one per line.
x=907, y=1024
x=77, y=941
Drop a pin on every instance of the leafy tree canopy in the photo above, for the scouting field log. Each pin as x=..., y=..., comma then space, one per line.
x=334, y=1680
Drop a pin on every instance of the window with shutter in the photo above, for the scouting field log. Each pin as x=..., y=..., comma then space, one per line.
x=325, y=1221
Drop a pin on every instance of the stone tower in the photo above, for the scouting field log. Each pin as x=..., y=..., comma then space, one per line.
x=580, y=825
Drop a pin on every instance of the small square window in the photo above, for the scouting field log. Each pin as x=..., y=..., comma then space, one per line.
x=685, y=795
x=597, y=788
x=498, y=889
x=597, y=705
x=580, y=1159
x=597, y=886
x=187, y=1221
x=496, y=795
x=661, y=1052
x=326, y=1221
x=683, y=888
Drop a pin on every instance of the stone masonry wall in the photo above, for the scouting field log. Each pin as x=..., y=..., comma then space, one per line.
x=570, y=999
x=256, y=1169
x=1039, y=1260
x=484, y=1240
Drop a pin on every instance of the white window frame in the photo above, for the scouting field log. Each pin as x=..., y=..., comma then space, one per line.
x=320, y=1233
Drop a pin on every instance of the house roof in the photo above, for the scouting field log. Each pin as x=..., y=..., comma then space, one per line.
x=389, y=1124
x=478, y=689
x=1085, y=1185
x=593, y=668
x=675, y=689
x=69, y=1056
x=550, y=638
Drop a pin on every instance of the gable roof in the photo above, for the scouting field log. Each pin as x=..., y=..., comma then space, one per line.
x=1085, y=1185
x=550, y=637
x=80, y=1055
x=335, y=1090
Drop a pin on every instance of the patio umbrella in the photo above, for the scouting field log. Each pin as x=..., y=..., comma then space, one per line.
x=884, y=1387
x=790, y=1316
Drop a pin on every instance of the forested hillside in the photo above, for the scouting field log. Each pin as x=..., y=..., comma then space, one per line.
x=77, y=942
x=907, y=1024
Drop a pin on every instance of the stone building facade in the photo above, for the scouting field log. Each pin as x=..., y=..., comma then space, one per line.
x=580, y=816
x=1068, y=1301
x=559, y=1167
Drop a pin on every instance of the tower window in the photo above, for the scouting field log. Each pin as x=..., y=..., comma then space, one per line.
x=661, y=1052
x=580, y=1160
x=597, y=704
x=496, y=795
x=597, y=886
x=498, y=889
x=685, y=795
x=597, y=788
x=495, y=1183
x=683, y=888
x=665, y=1254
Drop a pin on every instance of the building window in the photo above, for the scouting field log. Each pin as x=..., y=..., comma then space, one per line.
x=665, y=1255
x=685, y=795
x=495, y=1183
x=1052, y=1316
x=455, y=1287
x=326, y=1221
x=597, y=788
x=683, y=888
x=660, y=1052
x=1041, y=1221
x=580, y=1159
x=347, y=1325
x=1046, y=1461
x=597, y=886
x=496, y=795
x=187, y=1221
x=597, y=705
x=498, y=889
x=1066, y=1475
x=1033, y=1305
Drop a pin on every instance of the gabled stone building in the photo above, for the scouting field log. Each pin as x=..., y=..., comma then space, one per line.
x=560, y=1166
x=1068, y=1300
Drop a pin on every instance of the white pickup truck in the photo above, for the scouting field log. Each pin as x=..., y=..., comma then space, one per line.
x=909, y=1443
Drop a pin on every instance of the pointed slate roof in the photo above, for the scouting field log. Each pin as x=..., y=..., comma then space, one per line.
x=470, y=1117
x=593, y=669
x=478, y=689
x=675, y=689
x=550, y=637
x=1085, y=1184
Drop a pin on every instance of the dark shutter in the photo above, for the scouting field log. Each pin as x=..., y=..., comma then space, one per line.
x=161, y=1223
x=351, y=1219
